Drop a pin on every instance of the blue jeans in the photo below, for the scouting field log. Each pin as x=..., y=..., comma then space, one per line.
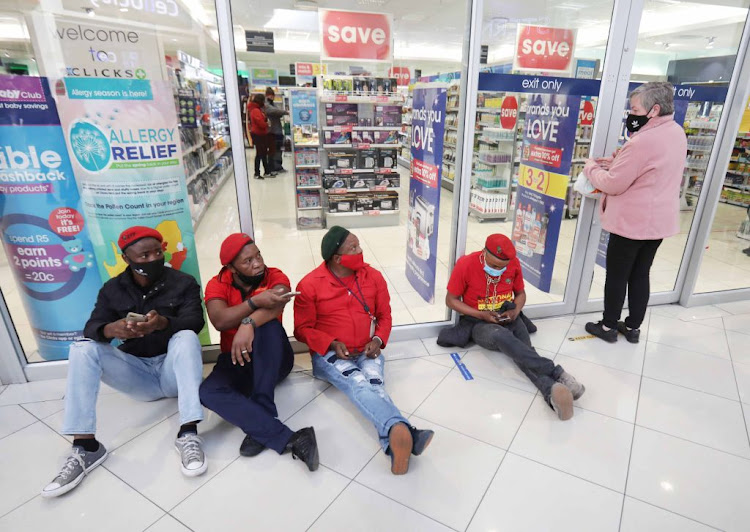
x=362, y=381
x=178, y=373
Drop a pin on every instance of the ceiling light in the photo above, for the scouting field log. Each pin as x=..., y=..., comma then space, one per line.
x=306, y=5
x=124, y=9
x=89, y=11
x=6, y=54
x=658, y=43
x=13, y=29
x=710, y=42
x=666, y=45
x=290, y=19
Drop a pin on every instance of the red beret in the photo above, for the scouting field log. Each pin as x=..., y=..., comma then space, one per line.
x=232, y=245
x=500, y=246
x=131, y=235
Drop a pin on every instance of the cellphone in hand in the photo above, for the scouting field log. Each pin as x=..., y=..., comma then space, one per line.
x=134, y=317
x=291, y=294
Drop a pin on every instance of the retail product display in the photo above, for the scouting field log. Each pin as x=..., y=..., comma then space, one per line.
x=451, y=136
x=204, y=135
x=404, y=156
x=736, y=190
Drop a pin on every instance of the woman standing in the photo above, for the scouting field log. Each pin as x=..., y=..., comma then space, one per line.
x=259, y=133
x=640, y=205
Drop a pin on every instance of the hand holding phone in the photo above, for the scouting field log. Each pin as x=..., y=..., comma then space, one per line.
x=291, y=294
x=134, y=317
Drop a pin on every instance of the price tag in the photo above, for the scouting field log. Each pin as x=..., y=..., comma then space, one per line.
x=337, y=191
x=372, y=213
x=341, y=98
x=364, y=146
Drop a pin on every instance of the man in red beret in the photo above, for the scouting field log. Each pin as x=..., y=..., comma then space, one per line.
x=245, y=301
x=154, y=314
x=486, y=287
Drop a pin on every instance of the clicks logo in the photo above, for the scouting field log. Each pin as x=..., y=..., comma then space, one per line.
x=90, y=146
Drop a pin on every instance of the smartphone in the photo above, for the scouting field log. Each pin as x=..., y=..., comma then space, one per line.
x=291, y=294
x=135, y=317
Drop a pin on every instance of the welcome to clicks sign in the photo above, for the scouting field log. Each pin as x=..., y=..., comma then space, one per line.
x=355, y=35
x=544, y=49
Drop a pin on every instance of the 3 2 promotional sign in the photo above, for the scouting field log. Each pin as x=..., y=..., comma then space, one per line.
x=428, y=127
x=355, y=35
x=544, y=49
x=45, y=235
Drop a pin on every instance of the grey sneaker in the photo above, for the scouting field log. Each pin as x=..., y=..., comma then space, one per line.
x=561, y=400
x=570, y=382
x=190, y=447
x=76, y=467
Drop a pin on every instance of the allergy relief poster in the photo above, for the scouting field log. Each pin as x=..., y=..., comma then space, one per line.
x=549, y=136
x=45, y=235
x=428, y=127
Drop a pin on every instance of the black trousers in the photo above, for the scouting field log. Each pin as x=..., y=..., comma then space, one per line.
x=628, y=268
x=261, y=153
x=278, y=139
x=244, y=395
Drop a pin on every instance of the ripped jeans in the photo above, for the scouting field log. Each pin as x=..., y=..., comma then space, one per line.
x=362, y=381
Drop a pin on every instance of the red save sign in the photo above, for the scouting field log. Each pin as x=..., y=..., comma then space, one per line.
x=303, y=69
x=586, y=115
x=509, y=112
x=541, y=48
x=402, y=75
x=355, y=35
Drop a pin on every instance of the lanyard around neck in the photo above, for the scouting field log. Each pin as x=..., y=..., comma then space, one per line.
x=361, y=301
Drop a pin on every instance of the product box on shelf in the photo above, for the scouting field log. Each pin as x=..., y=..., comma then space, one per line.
x=363, y=181
x=387, y=157
x=338, y=137
x=340, y=160
x=308, y=178
x=342, y=203
x=387, y=115
x=366, y=114
x=364, y=136
x=341, y=114
x=378, y=202
x=306, y=199
x=367, y=159
x=306, y=157
x=310, y=219
x=335, y=181
x=386, y=137
x=389, y=180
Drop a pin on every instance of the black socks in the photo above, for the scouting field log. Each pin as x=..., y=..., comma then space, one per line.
x=90, y=445
x=187, y=428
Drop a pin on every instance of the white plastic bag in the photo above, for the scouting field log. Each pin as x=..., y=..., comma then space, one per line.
x=584, y=187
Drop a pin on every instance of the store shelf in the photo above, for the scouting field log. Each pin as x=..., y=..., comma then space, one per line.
x=198, y=172
x=495, y=110
x=447, y=183
x=359, y=146
x=362, y=213
x=374, y=189
x=735, y=203
x=481, y=216
x=361, y=128
x=309, y=187
x=404, y=162
x=211, y=196
x=307, y=166
x=193, y=148
x=309, y=208
x=583, y=141
x=489, y=163
x=700, y=148
x=355, y=98
x=741, y=188
x=222, y=152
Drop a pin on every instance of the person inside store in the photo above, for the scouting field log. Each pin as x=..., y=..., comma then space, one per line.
x=343, y=314
x=153, y=314
x=260, y=134
x=274, y=115
x=245, y=302
x=640, y=205
x=487, y=289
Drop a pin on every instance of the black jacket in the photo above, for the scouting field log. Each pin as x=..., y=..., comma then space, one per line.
x=176, y=296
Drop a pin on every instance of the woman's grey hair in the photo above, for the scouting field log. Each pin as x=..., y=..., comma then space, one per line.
x=656, y=92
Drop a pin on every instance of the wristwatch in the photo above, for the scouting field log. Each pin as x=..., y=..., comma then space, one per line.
x=249, y=321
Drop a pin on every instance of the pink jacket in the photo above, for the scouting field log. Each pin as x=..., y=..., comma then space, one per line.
x=641, y=184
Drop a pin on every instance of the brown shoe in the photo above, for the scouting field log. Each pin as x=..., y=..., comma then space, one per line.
x=562, y=401
x=400, y=444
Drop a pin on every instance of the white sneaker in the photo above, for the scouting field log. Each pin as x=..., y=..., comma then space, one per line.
x=75, y=469
x=190, y=447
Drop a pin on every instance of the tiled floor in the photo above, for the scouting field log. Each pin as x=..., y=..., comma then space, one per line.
x=659, y=442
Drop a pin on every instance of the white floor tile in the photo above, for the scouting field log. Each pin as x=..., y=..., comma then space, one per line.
x=638, y=516
x=522, y=487
x=359, y=509
x=267, y=492
x=736, y=307
x=609, y=391
x=13, y=418
x=700, y=372
x=716, y=323
x=410, y=381
x=3, y=387
x=434, y=349
x=498, y=367
x=346, y=439
x=29, y=459
x=101, y=502
x=405, y=349
x=297, y=390
x=689, y=313
x=738, y=323
x=739, y=346
x=444, y=360
x=550, y=333
x=44, y=409
x=689, y=479
x=590, y=446
x=694, y=416
x=480, y=408
x=621, y=355
x=742, y=374
x=151, y=465
x=446, y=483
x=688, y=336
x=32, y=392
x=121, y=418
x=167, y=524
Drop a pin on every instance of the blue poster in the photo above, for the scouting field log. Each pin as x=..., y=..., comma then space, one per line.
x=428, y=127
x=44, y=233
x=549, y=136
x=304, y=104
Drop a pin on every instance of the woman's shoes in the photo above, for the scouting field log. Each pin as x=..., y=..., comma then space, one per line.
x=270, y=174
x=258, y=176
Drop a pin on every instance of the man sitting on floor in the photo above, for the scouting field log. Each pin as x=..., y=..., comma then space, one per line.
x=155, y=313
x=486, y=287
x=245, y=301
x=343, y=314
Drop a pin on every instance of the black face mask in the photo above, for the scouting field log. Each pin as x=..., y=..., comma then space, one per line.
x=152, y=270
x=253, y=281
x=635, y=122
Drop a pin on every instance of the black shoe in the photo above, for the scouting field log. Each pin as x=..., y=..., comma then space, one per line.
x=270, y=174
x=250, y=447
x=304, y=446
x=258, y=176
x=280, y=170
x=420, y=440
x=597, y=329
x=631, y=335
x=400, y=448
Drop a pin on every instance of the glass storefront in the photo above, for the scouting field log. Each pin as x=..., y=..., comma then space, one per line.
x=117, y=113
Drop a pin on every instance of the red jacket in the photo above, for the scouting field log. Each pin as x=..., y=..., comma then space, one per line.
x=257, y=117
x=325, y=311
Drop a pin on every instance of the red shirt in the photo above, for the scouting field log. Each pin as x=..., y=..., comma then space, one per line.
x=222, y=287
x=325, y=311
x=469, y=281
